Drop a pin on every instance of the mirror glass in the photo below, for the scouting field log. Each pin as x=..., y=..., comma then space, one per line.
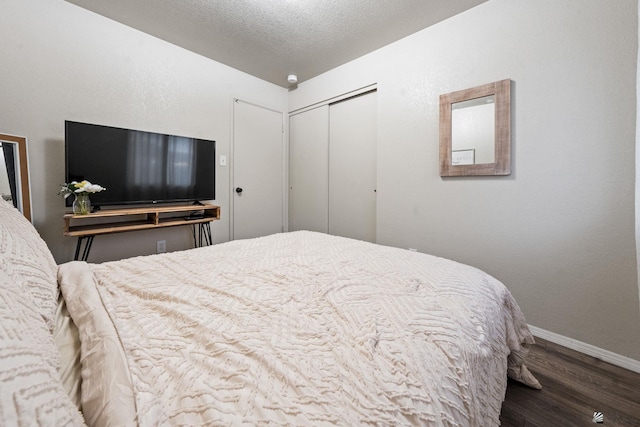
x=475, y=131
x=14, y=173
x=7, y=169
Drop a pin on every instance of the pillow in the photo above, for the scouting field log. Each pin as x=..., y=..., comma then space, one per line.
x=107, y=396
x=65, y=335
x=26, y=259
x=32, y=393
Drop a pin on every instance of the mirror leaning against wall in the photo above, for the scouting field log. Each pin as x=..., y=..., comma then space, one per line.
x=475, y=130
x=14, y=173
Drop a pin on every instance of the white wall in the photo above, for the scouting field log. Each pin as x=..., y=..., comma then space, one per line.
x=559, y=231
x=61, y=62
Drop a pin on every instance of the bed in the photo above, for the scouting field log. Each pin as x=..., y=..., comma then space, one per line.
x=298, y=328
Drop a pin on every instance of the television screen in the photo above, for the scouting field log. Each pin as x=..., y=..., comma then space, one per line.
x=138, y=167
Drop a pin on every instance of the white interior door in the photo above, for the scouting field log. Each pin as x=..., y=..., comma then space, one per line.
x=258, y=171
x=352, y=167
x=309, y=170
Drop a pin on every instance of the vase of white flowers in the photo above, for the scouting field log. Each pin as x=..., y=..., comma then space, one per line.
x=81, y=204
x=81, y=190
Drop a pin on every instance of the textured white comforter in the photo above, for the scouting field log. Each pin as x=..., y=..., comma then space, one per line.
x=296, y=328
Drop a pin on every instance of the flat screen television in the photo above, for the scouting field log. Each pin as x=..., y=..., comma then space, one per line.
x=138, y=167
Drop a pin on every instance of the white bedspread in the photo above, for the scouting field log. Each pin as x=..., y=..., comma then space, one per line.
x=292, y=329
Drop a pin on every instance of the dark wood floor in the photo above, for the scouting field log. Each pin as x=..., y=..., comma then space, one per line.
x=574, y=387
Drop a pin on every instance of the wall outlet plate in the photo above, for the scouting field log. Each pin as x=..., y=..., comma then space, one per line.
x=161, y=246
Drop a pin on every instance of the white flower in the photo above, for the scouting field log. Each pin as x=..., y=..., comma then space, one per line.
x=79, y=187
x=87, y=187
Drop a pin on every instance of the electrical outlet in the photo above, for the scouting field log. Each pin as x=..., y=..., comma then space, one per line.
x=413, y=249
x=161, y=246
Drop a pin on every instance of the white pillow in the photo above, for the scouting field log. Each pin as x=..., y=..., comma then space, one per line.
x=26, y=259
x=32, y=393
x=65, y=335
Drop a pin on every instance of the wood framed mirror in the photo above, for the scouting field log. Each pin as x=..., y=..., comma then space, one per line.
x=14, y=173
x=475, y=130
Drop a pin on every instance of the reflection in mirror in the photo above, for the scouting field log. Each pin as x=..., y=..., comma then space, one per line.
x=14, y=173
x=472, y=131
x=475, y=131
x=7, y=174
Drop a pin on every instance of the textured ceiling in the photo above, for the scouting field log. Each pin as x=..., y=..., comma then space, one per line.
x=273, y=38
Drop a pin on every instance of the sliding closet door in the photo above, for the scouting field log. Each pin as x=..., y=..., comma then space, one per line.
x=309, y=170
x=352, y=167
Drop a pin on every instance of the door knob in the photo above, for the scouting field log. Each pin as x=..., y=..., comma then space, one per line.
x=238, y=190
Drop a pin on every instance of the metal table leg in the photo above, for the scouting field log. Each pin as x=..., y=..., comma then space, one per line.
x=203, y=237
x=87, y=248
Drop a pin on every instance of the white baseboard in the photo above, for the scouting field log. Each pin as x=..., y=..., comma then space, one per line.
x=591, y=350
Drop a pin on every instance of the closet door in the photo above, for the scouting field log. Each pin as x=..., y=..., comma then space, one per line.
x=352, y=167
x=309, y=170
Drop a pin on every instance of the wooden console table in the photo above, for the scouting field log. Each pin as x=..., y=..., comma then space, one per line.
x=110, y=221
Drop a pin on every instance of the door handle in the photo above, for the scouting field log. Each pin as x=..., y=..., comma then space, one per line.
x=238, y=190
